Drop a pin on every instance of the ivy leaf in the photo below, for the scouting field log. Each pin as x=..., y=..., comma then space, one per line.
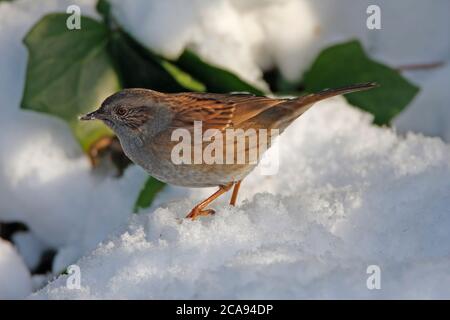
x=141, y=68
x=103, y=7
x=346, y=64
x=215, y=79
x=151, y=187
x=69, y=73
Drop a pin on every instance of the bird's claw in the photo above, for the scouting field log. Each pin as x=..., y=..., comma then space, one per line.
x=197, y=212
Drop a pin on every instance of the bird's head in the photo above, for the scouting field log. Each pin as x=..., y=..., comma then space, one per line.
x=129, y=113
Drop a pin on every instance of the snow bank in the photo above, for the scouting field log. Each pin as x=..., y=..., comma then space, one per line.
x=15, y=279
x=348, y=195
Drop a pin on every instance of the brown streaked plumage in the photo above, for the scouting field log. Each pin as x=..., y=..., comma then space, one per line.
x=144, y=121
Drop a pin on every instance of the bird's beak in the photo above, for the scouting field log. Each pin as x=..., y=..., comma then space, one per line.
x=95, y=115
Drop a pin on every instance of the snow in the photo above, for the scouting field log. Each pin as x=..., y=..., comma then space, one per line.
x=29, y=247
x=413, y=32
x=361, y=196
x=15, y=279
x=429, y=113
x=248, y=36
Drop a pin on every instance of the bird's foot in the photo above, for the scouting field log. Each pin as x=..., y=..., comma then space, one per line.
x=197, y=212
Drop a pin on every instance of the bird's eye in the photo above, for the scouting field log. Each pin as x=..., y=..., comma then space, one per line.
x=121, y=111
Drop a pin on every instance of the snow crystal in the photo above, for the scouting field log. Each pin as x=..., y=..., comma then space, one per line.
x=354, y=195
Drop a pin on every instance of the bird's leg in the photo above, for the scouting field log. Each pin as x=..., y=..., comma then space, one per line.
x=198, y=210
x=234, y=195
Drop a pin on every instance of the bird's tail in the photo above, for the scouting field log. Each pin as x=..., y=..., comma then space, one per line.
x=328, y=93
x=284, y=113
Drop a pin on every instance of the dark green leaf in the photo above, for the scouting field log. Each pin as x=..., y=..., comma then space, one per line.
x=103, y=7
x=346, y=64
x=277, y=83
x=140, y=68
x=69, y=73
x=148, y=193
x=215, y=79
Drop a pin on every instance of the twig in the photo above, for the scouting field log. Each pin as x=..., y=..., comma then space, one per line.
x=420, y=66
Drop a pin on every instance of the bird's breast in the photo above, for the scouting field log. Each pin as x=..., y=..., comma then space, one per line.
x=157, y=158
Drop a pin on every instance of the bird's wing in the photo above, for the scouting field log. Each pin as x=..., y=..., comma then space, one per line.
x=216, y=111
x=241, y=111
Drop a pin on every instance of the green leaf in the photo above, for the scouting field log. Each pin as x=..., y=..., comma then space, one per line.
x=69, y=73
x=346, y=64
x=104, y=8
x=147, y=194
x=182, y=77
x=188, y=73
x=141, y=68
x=216, y=79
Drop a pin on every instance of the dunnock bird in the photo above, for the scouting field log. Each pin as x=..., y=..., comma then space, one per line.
x=144, y=121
